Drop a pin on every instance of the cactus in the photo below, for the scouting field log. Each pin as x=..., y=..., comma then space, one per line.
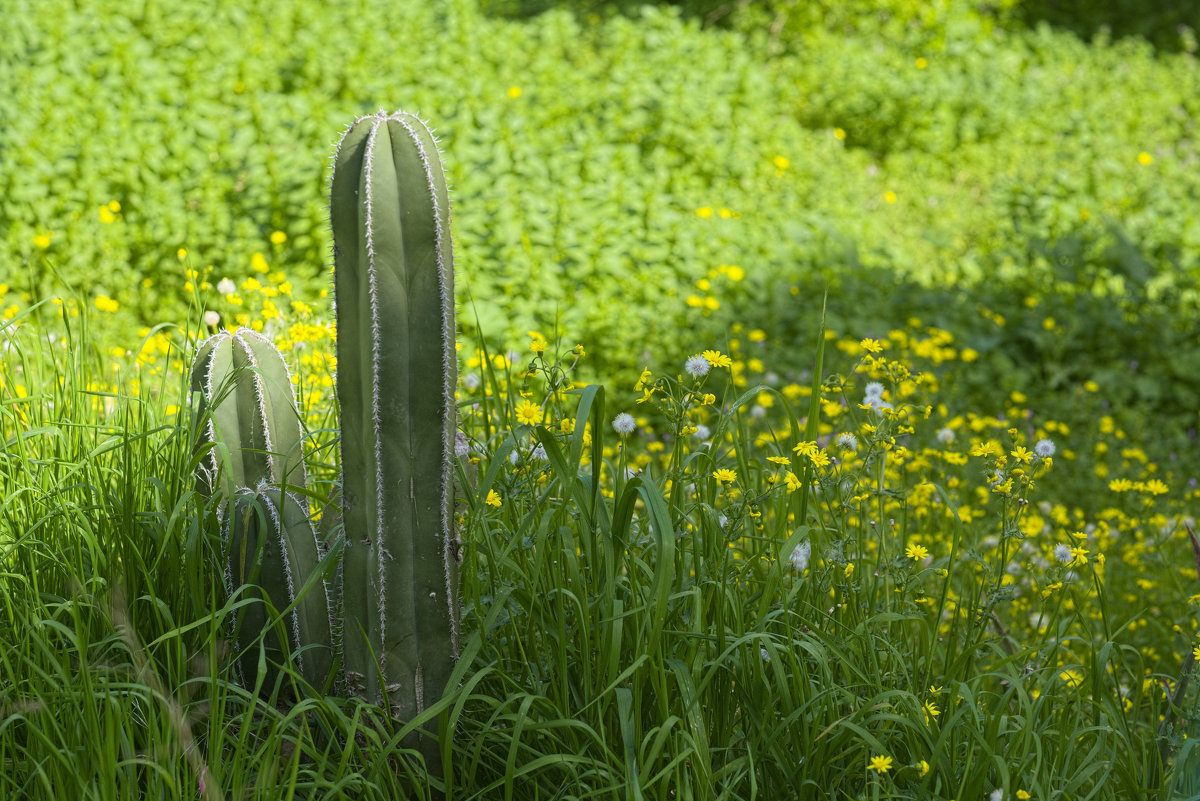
x=394, y=289
x=245, y=381
x=272, y=546
x=247, y=401
x=394, y=292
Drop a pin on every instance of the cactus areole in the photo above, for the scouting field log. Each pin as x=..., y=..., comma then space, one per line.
x=396, y=372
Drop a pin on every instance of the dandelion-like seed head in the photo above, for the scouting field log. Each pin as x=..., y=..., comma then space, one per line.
x=873, y=390
x=877, y=403
x=1044, y=448
x=1062, y=552
x=702, y=432
x=624, y=424
x=800, y=556
x=226, y=286
x=697, y=366
x=847, y=441
x=945, y=435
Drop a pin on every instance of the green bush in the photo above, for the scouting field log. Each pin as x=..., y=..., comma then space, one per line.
x=616, y=175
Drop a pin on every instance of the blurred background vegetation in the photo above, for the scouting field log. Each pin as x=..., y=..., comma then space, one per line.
x=1020, y=174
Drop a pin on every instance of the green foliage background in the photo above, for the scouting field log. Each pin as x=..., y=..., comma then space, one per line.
x=1000, y=170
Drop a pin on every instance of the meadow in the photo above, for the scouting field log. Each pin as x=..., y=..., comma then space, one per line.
x=827, y=375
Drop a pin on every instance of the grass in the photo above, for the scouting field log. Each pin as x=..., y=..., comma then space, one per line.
x=640, y=622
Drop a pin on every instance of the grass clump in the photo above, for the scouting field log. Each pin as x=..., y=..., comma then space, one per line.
x=720, y=582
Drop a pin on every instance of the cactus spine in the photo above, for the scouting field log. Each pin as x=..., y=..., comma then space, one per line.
x=394, y=288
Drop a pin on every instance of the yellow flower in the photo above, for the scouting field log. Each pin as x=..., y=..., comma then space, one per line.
x=889, y=196
x=537, y=344
x=849, y=570
x=514, y=92
x=931, y=712
x=493, y=499
x=725, y=475
x=106, y=304
x=921, y=63
x=880, y=764
x=781, y=162
x=42, y=240
x=783, y=460
x=644, y=379
x=1155, y=487
x=924, y=767
x=1120, y=485
x=278, y=237
x=916, y=552
x=871, y=345
x=1145, y=159
x=793, y=483
x=987, y=449
x=1073, y=678
x=1023, y=796
x=529, y=413
x=717, y=359
x=806, y=449
x=1196, y=651
x=705, y=212
x=839, y=134
x=106, y=215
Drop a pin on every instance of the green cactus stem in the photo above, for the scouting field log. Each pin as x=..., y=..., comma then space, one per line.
x=271, y=546
x=246, y=390
x=394, y=290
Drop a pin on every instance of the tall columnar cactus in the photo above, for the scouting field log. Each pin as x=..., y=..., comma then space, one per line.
x=394, y=289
